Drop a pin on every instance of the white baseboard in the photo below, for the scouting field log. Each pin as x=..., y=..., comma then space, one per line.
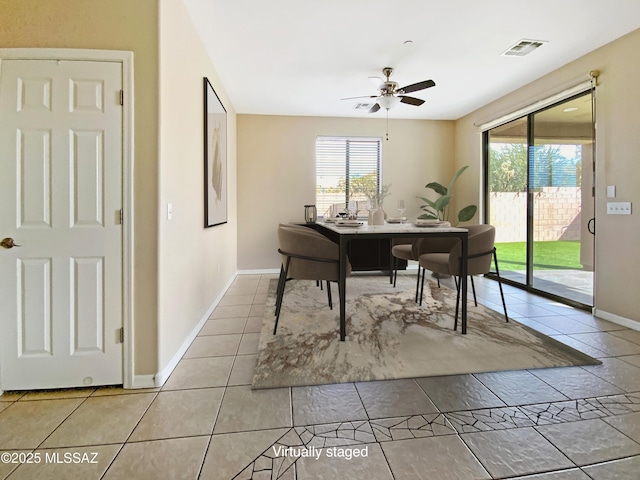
x=264, y=271
x=617, y=319
x=271, y=271
x=162, y=376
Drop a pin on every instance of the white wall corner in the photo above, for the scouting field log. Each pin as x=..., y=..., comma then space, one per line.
x=162, y=376
x=143, y=381
x=617, y=319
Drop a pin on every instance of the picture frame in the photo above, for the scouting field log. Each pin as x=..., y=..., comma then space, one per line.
x=215, y=158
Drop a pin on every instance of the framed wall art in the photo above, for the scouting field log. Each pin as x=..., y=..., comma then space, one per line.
x=215, y=158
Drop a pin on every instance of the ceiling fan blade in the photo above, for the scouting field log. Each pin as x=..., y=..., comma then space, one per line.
x=375, y=108
x=378, y=82
x=411, y=100
x=365, y=96
x=414, y=87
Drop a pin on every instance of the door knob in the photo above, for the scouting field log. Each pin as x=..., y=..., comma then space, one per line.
x=8, y=243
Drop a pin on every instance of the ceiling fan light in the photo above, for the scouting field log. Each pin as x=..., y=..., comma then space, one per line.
x=388, y=101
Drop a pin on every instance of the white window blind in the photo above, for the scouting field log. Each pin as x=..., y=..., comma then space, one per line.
x=346, y=168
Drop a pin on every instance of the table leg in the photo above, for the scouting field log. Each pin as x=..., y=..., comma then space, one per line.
x=342, y=285
x=463, y=279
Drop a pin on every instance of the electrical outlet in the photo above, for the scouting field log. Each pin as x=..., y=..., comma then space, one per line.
x=618, y=208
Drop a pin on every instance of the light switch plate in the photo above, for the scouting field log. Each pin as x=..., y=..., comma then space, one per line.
x=611, y=191
x=618, y=208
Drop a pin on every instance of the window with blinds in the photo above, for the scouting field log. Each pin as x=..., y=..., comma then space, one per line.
x=347, y=168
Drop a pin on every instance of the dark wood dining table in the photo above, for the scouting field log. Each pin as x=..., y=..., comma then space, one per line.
x=342, y=235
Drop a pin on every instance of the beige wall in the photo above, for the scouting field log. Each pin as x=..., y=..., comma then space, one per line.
x=618, y=144
x=276, y=171
x=176, y=263
x=113, y=25
x=195, y=264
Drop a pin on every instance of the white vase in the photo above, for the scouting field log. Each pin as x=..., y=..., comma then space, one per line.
x=378, y=217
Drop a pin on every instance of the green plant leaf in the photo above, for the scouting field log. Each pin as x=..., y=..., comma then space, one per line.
x=455, y=177
x=467, y=213
x=427, y=216
x=426, y=200
x=440, y=208
x=430, y=211
x=442, y=203
x=436, y=187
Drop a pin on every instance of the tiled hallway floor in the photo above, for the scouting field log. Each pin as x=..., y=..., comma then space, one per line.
x=205, y=422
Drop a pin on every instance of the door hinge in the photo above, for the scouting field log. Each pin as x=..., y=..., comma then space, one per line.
x=121, y=216
x=120, y=335
x=121, y=97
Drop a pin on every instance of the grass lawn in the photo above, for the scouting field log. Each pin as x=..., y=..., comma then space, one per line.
x=546, y=255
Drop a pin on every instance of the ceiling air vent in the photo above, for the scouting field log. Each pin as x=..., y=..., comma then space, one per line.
x=362, y=106
x=523, y=48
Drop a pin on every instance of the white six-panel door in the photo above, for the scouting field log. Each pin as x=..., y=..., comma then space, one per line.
x=60, y=200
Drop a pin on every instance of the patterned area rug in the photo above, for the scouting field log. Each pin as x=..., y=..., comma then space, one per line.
x=389, y=336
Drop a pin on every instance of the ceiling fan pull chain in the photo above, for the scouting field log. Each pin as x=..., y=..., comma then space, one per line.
x=387, y=124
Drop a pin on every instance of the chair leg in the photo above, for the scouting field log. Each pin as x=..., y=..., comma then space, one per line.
x=395, y=271
x=438, y=277
x=504, y=305
x=422, y=286
x=458, y=282
x=418, y=282
x=329, y=295
x=281, y=280
x=455, y=323
x=275, y=328
x=473, y=288
x=280, y=297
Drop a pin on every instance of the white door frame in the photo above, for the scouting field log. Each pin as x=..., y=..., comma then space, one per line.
x=126, y=59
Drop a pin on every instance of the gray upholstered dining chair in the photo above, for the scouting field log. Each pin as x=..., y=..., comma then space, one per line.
x=306, y=255
x=405, y=249
x=402, y=249
x=481, y=249
x=411, y=249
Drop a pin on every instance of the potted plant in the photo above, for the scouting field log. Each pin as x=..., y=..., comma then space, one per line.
x=376, y=199
x=439, y=209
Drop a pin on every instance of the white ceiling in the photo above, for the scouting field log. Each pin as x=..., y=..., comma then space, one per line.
x=300, y=57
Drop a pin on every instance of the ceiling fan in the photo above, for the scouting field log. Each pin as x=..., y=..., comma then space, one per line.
x=390, y=95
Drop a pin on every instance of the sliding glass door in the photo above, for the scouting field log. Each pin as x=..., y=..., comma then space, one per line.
x=539, y=177
x=562, y=253
x=507, y=196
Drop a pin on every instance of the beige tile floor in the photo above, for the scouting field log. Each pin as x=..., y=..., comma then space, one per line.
x=573, y=423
